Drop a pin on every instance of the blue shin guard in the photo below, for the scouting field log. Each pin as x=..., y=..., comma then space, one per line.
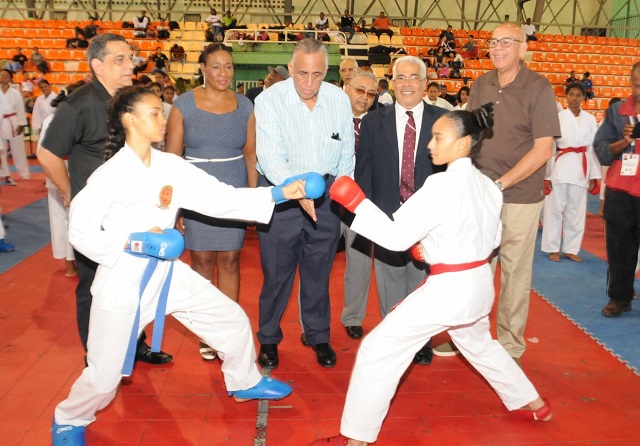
x=67, y=435
x=266, y=389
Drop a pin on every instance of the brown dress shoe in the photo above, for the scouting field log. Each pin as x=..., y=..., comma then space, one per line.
x=616, y=307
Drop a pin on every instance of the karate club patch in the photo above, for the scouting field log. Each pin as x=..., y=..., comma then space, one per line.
x=166, y=194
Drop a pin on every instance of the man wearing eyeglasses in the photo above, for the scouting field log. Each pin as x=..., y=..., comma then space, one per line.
x=514, y=156
x=392, y=163
x=357, y=275
x=348, y=69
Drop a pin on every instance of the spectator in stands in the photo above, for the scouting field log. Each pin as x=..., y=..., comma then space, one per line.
x=448, y=33
x=42, y=107
x=433, y=99
x=444, y=94
x=572, y=79
x=240, y=88
x=446, y=45
x=17, y=61
x=382, y=24
x=348, y=69
x=13, y=118
x=160, y=60
x=529, y=30
x=322, y=22
x=88, y=31
x=462, y=97
x=38, y=60
x=310, y=27
x=139, y=62
x=141, y=23
x=215, y=23
x=26, y=85
x=162, y=30
x=384, y=97
x=470, y=48
x=229, y=20
x=444, y=71
x=168, y=94
x=277, y=74
x=177, y=54
x=362, y=27
x=347, y=25
x=439, y=58
x=587, y=84
x=230, y=141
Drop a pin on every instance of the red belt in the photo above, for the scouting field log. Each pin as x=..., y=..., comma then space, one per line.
x=13, y=131
x=581, y=149
x=439, y=268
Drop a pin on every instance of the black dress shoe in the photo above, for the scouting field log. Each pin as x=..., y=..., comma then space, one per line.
x=354, y=331
x=153, y=358
x=424, y=355
x=325, y=354
x=303, y=340
x=268, y=356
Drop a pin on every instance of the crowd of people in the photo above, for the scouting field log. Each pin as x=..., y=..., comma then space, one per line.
x=482, y=162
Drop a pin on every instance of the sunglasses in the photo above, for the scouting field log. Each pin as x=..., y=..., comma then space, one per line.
x=362, y=91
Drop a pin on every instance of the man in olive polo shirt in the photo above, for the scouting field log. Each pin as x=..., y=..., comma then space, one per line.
x=514, y=155
x=78, y=132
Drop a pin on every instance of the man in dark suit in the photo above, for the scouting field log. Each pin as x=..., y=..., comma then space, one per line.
x=392, y=162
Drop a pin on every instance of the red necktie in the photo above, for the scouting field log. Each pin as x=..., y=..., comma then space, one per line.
x=356, y=131
x=408, y=164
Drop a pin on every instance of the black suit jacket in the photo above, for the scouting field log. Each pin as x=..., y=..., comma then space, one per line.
x=377, y=158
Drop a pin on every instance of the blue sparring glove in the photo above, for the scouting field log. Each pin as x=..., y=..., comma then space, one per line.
x=313, y=187
x=166, y=246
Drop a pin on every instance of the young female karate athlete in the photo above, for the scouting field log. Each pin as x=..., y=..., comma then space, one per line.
x=458, y=294
x=132, y=197
x=571, y=172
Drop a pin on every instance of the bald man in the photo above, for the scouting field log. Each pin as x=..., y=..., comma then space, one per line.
x=514, y=156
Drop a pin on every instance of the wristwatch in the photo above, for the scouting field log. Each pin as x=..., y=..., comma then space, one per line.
x=498, y=183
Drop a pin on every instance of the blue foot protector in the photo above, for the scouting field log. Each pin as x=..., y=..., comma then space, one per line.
x=266, y=389
x=67, y=435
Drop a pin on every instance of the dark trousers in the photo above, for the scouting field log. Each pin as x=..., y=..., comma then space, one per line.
x=622, y=236
x=86, y=273
x=291, y=241
x=380, y=32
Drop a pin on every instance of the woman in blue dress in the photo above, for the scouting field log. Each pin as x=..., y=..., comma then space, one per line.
x=214, y=128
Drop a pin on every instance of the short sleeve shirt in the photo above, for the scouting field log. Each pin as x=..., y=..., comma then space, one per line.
x=81, y=130
x=524, y=110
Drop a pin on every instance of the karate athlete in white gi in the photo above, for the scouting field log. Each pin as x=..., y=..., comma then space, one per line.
x=571, y=171
x=456, y=238
x=141, y=189
x=12, y=120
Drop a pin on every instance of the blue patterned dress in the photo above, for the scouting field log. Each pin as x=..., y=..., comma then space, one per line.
x=218, y=137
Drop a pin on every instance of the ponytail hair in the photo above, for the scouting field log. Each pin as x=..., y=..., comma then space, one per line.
x=472, y=123
x=124, y=101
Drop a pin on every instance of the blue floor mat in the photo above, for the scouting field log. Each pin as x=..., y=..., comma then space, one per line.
x=28, y=231
x=578, y=290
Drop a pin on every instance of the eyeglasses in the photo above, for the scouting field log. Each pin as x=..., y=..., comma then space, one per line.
x=362, y=91
x=505, y=42
x=346, y=70
x=413, y=78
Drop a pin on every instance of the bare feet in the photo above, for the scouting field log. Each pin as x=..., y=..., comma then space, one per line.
x=554, y=257
x=70, y=268
x=572, y=257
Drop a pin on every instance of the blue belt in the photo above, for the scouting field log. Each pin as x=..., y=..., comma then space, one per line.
x=158, y=324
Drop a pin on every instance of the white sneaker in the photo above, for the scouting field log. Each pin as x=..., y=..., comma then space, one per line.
x=446, y=349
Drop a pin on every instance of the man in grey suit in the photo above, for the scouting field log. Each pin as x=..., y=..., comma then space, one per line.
x=392, y=162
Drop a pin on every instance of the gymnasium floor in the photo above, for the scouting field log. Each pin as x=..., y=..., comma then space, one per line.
x=589, y=374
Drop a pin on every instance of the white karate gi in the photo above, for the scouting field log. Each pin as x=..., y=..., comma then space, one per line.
x=124, y=196
x=58, y=212
x=462, y=225
x=41, y=109
x=12, y=114
x=565, y=207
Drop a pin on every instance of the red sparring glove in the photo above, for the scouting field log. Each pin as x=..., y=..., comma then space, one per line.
x=416, y=253
x=595, y=190
x=347, y=192
x=547, y=187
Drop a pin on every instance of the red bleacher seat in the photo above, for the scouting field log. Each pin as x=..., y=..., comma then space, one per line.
x=416, y=31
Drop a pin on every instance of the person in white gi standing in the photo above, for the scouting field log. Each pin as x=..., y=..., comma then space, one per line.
x=12, y=120
x=42, y=107
x=571, y=171
x=142, y=189
x=458, y=294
